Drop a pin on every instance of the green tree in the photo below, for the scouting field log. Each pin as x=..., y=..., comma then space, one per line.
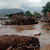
x=35, y=13
x=46, y=8
x=29, y=14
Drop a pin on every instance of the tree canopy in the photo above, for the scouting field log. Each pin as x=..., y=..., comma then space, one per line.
x=35, y=13
x=46, y=8
x=29, y=14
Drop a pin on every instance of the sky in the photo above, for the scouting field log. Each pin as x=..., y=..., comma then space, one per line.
x=30, y=5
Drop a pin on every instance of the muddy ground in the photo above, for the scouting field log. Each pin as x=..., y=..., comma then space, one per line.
x=46, y=26
x=26, y=27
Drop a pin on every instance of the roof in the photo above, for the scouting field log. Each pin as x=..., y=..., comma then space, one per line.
x=3, y=16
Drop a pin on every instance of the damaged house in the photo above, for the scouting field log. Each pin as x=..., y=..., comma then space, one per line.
x=48, y=17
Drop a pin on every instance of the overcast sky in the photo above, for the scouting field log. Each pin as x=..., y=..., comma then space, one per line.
x=31, y=5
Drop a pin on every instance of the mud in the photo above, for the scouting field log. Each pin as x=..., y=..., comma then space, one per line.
x=26, y=27
x=46, y=26
x=47, y=47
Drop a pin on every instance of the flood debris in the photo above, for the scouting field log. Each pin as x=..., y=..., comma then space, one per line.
x=15, y=42
x=21, y=21
x=37, y=34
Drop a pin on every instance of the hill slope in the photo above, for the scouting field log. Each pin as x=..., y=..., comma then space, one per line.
x=10, y=11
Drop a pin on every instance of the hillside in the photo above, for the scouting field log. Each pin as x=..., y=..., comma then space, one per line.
x=10, y=11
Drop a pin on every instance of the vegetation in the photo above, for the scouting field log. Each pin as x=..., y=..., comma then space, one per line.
x=29, y=14
x=35, y=13
x=46, y=8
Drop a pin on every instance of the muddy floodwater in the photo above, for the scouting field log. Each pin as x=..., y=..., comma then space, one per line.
x=28, y=30
x=22, y=30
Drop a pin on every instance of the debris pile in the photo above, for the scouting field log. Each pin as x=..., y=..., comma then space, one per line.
x=21, y=21
x=15, y=42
